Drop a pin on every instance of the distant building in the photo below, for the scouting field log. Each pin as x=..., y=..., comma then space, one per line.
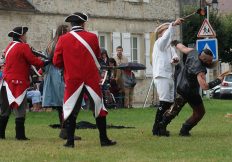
x=225, y=6
x=116, y=22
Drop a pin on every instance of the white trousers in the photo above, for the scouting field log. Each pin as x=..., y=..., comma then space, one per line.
x=165, y=88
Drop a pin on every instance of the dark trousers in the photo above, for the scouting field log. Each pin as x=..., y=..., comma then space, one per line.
x=20, y=112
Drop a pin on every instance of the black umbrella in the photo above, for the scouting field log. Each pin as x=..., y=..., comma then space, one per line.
x=131, y=66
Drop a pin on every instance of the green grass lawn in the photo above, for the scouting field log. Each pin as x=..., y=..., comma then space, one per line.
x=211, y=139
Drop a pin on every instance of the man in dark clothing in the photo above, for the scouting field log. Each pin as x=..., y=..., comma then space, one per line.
x=189, y=81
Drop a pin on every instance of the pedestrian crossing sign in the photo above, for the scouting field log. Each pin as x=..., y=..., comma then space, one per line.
x=206, y=30
x=210, y=44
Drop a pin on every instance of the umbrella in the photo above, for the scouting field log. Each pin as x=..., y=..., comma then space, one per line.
x=131, y=66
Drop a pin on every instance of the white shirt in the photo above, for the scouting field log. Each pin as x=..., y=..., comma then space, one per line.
x=162, y=55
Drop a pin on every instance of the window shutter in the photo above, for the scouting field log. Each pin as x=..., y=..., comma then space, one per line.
x=147, y=53
x=53, y=33
x=116, y=41
x=126, y=45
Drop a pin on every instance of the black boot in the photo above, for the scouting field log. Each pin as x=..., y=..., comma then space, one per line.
x=3, y=123
x=163, y=126
x=184, y=131
x=63, y=134
x=70, y=128
x=157, y=131
x=158, y=118
x=20, y=129
x=101, y=125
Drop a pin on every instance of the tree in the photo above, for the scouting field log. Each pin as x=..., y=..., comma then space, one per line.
x=222, y=26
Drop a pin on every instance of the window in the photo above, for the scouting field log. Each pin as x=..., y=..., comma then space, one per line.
x=138, y=1
x=228, y=78
x=135, y=48
x=104, y=42
x=105, y=1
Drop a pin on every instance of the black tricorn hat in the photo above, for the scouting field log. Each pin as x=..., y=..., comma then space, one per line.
x=77, y=17
x=18, y=31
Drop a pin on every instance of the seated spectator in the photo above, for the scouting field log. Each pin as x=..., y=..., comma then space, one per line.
x=1, y=70
x=35, y=96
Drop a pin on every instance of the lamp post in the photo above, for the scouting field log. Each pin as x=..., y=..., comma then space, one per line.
x=215, y=5
x=207, y=4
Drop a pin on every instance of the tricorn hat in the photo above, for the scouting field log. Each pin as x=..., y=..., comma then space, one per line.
x=18, y=31
x=77, y=17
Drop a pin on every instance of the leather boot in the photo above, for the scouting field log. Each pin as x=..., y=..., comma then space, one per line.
x=20, y=129
x=70, y=128
x=3, y=123
x=184, y=131
x=63, y=134
x=157, y=130
x=101, y=125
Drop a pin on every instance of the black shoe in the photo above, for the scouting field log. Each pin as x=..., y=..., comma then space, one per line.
x=63, y=135
x=184, y=134
x=22, y=139
x=3, y=123
x=164, y=132
x=69, y=144
x=108, y=143
x=184, y=131
x=20, y=129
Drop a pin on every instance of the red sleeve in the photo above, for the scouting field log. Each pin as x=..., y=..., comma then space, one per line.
x=30, y=57
x=58, y=55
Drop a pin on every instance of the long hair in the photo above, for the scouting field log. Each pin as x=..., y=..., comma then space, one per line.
x=61, y=29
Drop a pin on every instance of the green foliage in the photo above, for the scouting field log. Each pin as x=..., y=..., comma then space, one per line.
x=211, y=139
x=221, y=24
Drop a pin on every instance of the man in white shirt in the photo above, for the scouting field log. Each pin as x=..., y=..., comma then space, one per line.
x=164, y=59
x=120, y=58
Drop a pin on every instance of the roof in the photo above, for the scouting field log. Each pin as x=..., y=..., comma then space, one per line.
x=16, y=5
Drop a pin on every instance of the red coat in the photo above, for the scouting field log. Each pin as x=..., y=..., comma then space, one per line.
x=19, y=58
x=79, y=69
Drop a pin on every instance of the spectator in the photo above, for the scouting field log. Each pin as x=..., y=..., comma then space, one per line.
x=1, y=71
x=114, y=89
x=35, y=96
x=120, y=58
x=104, y=60
x=129, y=82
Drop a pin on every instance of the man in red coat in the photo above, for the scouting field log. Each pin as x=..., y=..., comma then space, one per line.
x=13, y=87
x=77, y=52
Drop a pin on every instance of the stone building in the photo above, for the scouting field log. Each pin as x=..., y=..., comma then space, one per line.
x=116, y=22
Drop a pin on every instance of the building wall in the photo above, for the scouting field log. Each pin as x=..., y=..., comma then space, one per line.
x=118, y=20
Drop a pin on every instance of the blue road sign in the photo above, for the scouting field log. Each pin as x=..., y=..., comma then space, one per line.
x=210, y=44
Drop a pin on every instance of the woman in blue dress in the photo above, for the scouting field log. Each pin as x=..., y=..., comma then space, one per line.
x=53, y=88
